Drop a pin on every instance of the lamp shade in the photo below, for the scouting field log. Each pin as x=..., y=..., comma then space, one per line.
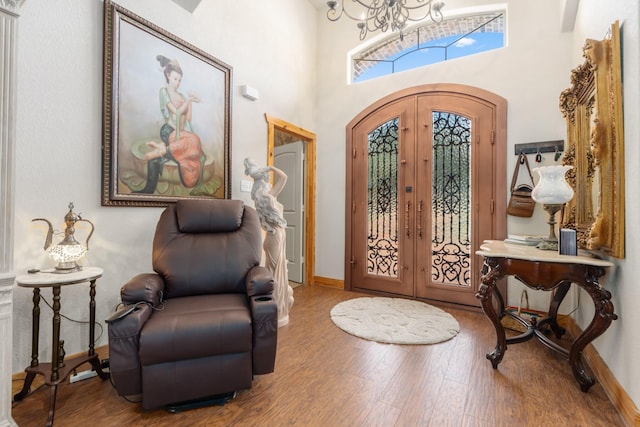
x=552, y=188
x=66, y=255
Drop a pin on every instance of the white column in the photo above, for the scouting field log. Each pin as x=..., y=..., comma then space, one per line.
x=8, y=65
x=6, y=338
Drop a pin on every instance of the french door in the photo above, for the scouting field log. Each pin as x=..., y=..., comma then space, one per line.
x=422, y=195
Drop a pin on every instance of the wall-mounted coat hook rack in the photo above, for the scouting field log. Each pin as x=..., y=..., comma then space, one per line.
x=539, y=147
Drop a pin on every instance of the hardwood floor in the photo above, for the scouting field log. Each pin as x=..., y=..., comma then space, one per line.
x=325, y=377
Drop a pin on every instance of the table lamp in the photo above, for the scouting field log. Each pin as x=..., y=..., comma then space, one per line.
x=69, y=251
x=552, y=191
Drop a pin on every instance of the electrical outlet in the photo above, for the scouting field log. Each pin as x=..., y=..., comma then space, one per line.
x=246, y=186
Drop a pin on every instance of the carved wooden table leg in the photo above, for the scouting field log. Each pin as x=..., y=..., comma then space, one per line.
x=552, y=319
x=52, y=405
x=94, y=360
x=55, y=345
x=602, y=318
x=35, y=327
x=35, y=335
x=490, y=275
x=92, y=316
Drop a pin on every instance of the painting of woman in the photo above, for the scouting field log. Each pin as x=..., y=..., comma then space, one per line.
x=179, y=142
x=167, y=117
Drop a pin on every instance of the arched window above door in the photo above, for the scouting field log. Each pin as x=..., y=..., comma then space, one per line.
x=427, y=44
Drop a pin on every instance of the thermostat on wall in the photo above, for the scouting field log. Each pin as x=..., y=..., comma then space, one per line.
x=250, y=92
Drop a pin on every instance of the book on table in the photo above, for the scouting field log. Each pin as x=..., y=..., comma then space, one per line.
x=524, y=239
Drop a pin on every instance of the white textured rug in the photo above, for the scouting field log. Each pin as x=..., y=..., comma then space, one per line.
x=394, y=320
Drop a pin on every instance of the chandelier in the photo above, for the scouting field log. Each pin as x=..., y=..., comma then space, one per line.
x=380, y=14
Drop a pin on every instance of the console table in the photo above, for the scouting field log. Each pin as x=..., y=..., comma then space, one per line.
x=547, y=271
x=59, y=368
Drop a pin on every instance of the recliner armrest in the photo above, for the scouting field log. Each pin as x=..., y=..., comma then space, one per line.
x=146, y=287
x=259, y=281
x=264, y=317
x=124, y=346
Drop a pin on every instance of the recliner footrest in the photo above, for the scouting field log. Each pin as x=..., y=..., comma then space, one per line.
x=218, y=400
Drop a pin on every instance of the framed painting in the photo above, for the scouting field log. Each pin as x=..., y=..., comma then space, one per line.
x=167, y=120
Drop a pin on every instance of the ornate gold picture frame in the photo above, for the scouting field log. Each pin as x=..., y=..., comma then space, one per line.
x=592, y=107
x=167, y=116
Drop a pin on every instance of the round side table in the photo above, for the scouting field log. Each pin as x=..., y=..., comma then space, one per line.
x=59, y=368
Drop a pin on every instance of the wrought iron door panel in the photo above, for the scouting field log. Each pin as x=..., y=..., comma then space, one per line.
x=382, y=200
x=451, y=199
x=454, y=180
x=383, y=232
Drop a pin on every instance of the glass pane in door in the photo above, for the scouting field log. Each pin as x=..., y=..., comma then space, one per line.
x=451, y=199
x=382, y=200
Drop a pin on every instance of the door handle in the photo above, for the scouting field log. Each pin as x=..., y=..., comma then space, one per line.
x=420, y=219
x=406, y=218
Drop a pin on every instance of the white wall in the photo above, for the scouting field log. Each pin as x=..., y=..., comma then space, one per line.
x=620, y=345
x=59, y=130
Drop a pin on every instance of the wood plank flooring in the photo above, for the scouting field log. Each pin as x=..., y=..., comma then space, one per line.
x=325, y=377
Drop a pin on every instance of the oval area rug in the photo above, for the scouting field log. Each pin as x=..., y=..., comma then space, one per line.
x=394, y=320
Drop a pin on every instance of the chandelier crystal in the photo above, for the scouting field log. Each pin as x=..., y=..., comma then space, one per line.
x=382, y=14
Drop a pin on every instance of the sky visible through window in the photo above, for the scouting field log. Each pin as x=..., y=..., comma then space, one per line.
x=435, y=51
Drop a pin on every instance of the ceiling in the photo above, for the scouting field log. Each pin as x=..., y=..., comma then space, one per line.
x=191, y=5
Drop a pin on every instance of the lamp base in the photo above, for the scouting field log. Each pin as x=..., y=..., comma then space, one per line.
x=551, y=242
x=66, y=267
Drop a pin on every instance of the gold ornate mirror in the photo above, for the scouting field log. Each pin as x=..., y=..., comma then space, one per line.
x=592, y=107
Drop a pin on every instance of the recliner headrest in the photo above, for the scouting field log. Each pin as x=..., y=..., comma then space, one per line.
x=209, y=216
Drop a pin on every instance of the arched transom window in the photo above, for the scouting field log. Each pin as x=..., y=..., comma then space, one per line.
x=431, y=43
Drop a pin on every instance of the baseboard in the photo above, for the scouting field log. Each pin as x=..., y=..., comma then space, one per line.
x=617, y=395
x=326, y=281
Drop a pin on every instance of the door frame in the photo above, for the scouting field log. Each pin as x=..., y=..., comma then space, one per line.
x=310, y=186
x=500, y=140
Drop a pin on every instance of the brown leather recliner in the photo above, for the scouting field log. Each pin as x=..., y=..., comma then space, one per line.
x=205, y=322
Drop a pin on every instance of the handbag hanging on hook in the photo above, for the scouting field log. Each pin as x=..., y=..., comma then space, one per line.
x=520, y=203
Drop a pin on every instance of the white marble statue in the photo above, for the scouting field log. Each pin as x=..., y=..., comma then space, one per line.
x=272, y=220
